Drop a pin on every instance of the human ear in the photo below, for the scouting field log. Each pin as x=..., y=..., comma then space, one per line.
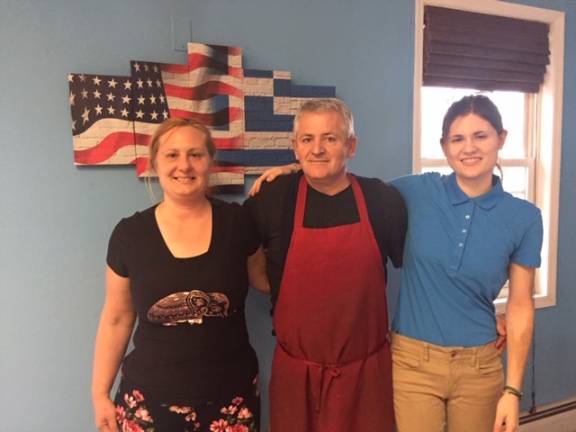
x=502, y=138
x=443, y=146
x=352, y=146
x=293, y=141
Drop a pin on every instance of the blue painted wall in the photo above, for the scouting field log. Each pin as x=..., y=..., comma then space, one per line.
x=55, y=218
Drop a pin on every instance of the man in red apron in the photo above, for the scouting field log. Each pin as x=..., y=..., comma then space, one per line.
x=327, y=247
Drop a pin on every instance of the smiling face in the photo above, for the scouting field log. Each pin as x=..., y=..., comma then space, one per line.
x=323, y=147
x=471, y=149
x=183, y=163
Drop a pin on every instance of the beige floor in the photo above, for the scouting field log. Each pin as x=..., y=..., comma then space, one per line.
x=565, y=422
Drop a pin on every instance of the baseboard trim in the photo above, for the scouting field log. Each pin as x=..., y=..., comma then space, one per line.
x=550, y=411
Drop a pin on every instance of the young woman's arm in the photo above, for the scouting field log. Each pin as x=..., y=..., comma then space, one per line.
x=519, y=327
x=114, y=331
x=271, y=173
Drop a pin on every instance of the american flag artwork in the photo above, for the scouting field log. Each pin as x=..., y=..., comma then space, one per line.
x=249, y=112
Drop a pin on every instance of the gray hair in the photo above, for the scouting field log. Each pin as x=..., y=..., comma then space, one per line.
x=330, y=105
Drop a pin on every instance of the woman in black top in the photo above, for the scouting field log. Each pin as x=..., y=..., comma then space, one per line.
x=180, y=267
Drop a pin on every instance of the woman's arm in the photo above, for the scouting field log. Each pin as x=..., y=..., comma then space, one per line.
x=114, y=331
x=271, y=173
x=257, y=271
x=519, y=327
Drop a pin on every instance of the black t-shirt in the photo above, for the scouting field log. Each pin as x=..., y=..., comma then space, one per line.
x=191, y=341
x=273, y=209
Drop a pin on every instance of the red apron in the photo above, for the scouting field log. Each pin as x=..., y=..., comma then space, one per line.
x=332, y=370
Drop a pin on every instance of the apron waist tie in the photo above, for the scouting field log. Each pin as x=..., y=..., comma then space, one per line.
x=319, y=384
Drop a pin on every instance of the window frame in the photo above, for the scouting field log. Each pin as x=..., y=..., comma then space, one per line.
x=546, y=127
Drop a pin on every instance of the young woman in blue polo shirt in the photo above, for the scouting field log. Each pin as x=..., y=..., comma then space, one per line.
x=466, y=237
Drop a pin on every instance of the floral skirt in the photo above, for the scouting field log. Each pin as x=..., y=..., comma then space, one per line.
x=135, y=413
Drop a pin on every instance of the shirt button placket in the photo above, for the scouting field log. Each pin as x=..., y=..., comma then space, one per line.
x=464, y=232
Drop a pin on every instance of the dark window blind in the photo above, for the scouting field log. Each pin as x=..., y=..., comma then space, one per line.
x=485, y=52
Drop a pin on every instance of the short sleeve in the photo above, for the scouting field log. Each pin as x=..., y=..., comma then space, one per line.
x=527, y=253
x=397, y=226
x=409, y=186
x=248, y=228
x=116, y=257
x=255, y=208
x=388, y=216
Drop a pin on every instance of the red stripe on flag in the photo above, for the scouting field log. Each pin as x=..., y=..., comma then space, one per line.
x=203, y=91
x=234, y=50
x=175, y=68
x=228, y=143
x=220, y=118
x=196, y=60
x=142, y=139
x=230, y=169
x=141, y=165
x=235, y=72
x=105, y=149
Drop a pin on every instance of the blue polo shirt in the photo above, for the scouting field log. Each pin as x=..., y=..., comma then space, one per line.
x=456, y=258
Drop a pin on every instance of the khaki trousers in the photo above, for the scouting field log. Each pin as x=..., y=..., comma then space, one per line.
x=438, y=389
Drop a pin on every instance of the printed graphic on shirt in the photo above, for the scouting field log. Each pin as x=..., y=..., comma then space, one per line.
x=188, y=307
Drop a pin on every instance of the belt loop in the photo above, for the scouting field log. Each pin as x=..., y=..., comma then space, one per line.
x=426, y=352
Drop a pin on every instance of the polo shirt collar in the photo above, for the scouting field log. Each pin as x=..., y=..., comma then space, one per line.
x=486, y=201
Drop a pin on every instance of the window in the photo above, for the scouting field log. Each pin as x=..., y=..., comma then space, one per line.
x=530, y=159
